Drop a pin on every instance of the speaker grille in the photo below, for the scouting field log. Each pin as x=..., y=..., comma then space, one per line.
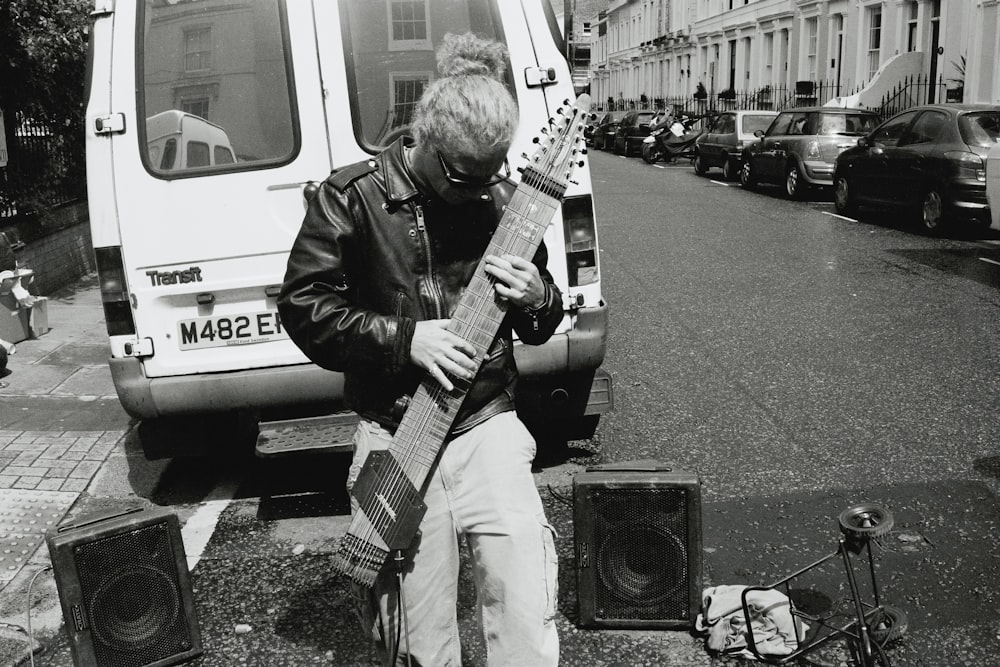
x=641, y=553
x=135, y=607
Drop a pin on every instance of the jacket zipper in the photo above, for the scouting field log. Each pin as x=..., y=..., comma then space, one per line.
x=433, y=289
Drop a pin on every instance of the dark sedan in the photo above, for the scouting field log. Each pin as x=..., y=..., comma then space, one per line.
x=930, y=159
x=603, y=135
x=633, y=128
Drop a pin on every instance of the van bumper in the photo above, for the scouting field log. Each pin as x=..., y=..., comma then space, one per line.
x=579, y=350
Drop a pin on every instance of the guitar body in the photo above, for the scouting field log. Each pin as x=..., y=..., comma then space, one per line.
x=388, y=486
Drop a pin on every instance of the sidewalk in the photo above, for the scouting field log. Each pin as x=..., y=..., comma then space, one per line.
x=59, y=420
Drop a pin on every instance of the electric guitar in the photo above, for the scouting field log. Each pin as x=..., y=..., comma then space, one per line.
x=388, y=486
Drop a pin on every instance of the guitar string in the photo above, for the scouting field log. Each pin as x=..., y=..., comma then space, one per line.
x=535, y=196
x=509, y=243
x=436, y=392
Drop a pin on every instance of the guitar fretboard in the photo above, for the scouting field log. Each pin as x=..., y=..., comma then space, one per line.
x=477, y=319
x=388, y=487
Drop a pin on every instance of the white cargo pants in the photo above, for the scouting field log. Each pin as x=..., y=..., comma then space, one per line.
x=482, y=489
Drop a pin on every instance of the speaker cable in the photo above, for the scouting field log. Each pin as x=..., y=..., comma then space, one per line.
x=31, y=636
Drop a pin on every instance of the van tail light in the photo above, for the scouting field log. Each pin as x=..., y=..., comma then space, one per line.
x=813, y=151
x=969, y=165
x=581, y=240
x=114, y=291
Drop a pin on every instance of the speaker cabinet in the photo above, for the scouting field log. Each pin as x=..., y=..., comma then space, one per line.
x=637, y=529
x=125, y=589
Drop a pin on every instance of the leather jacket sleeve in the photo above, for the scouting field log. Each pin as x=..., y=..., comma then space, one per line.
x=534, y=328
x=318, y=298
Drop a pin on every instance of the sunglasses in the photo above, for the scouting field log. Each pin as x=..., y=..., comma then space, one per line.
x=458, y=178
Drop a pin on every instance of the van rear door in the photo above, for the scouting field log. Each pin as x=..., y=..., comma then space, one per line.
x=205, y=240
x=387, y=50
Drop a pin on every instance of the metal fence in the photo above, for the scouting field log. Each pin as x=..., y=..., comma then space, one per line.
x=45, y=169
x=910, y=91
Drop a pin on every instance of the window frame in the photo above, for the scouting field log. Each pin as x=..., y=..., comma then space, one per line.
x=425, y=44
x=295, y=127
x=185, y=33
x=874, y=40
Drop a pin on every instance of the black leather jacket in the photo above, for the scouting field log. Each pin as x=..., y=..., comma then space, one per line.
x=374, y=256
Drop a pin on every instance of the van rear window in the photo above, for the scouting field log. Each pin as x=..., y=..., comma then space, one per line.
x=389, y=47
x=213, y=86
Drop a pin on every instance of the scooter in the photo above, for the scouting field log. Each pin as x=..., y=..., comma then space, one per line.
x=673, y=142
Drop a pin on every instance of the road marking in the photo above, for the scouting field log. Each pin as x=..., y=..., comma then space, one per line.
x=198, y=529
x=987, y=259
x=834, y=215
x=728, y=185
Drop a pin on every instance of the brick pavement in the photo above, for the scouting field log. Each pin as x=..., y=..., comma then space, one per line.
x=53, y=460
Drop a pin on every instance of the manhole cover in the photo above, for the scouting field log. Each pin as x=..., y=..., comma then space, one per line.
x=25, y=517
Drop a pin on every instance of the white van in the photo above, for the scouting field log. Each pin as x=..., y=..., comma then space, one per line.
x=191, y=254
x=178, y=140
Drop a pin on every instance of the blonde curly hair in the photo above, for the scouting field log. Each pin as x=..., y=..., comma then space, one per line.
x=468, y=111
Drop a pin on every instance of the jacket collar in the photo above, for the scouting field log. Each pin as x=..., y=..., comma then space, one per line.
x=399, y=183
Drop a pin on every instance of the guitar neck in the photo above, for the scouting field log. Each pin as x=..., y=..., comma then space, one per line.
x=388, y=487
x=477, y=318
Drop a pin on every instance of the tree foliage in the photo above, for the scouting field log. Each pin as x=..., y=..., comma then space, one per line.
x=43, y=55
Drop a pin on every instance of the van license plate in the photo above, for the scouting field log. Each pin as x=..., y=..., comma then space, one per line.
x=227, y=330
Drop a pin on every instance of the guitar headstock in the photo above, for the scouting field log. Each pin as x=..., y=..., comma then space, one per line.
x=560, y=146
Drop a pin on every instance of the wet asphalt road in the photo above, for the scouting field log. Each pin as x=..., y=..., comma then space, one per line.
x=798, y=362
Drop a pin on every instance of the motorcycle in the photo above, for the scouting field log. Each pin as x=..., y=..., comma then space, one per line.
x=673, y=142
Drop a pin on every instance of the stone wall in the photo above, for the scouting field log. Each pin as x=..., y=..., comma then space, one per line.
x=57, y=247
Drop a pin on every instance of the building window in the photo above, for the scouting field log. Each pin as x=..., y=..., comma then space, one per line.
x=911, y=28
x=408, y=25
x=874, y=40
x=406, y=92
x=769, y=58
x=812, y=30
x=197, y=106
x=197, y=49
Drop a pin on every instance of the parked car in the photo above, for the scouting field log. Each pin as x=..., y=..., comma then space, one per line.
x=801, y=145
x=725, y=140
x=603, y=136
x=633, y=128
x=930, y=159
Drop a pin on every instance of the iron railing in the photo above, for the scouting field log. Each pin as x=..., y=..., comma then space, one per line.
x=45, y=169
x=908, y=92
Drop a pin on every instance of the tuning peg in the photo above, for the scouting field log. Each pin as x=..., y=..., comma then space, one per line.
x=567, y=102
x=580, y=163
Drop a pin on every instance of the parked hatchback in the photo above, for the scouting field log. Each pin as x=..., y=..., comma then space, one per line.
x=633, y=128
x=800, y=147
x=603, y=136
x=930, y=159
x=727, y=138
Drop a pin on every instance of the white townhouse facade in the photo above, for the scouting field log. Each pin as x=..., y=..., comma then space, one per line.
x=857, y=49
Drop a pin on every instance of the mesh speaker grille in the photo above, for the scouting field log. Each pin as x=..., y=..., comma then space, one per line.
x=135, y=606
x=641, y=554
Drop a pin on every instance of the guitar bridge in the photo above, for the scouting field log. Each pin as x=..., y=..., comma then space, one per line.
x=389, y=500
